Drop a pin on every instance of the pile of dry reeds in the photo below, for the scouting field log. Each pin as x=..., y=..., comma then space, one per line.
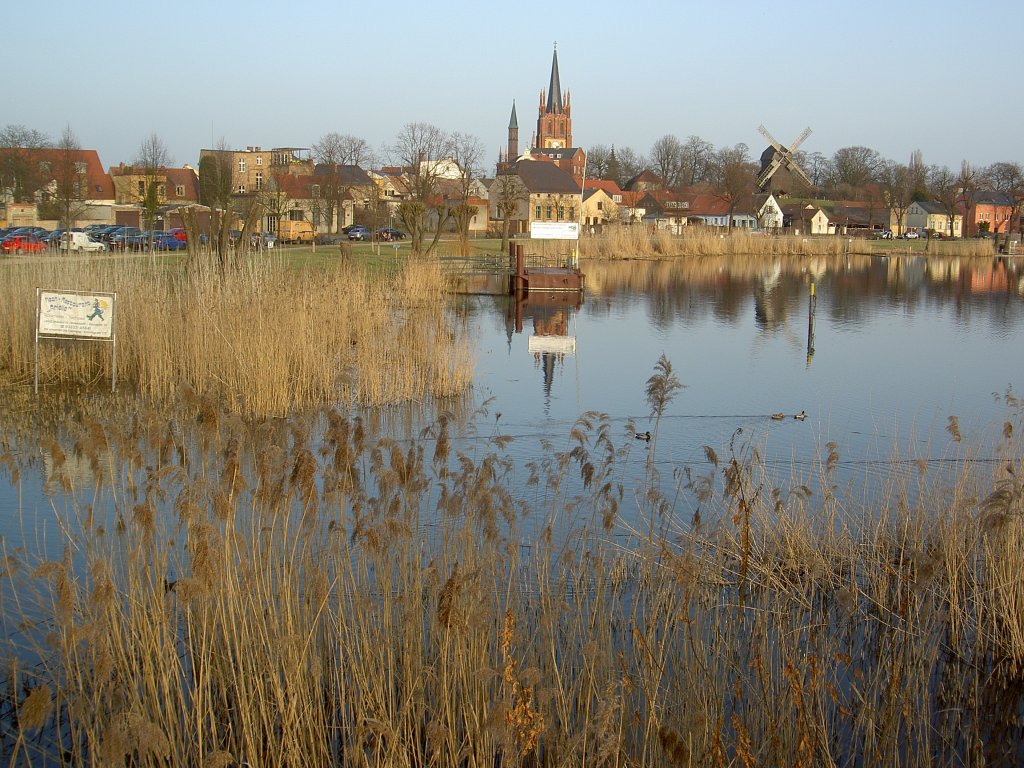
x=264, y=338
x=300, y=592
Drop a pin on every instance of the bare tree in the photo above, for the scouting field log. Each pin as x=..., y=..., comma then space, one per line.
x=508, y=193
x=853, y=168
x=467, y=152
x=152, y=161
x=332, y=154
x=734, y=176
x=944, y=186
x=667, y=159
x=968, y=193
x=419, y=149
x=697, y=157
x=70, y=180
x=1008, y=180
x=597, y=161
x=628, y=164
x=20, y=178
x=215, y=177
x=897, y=189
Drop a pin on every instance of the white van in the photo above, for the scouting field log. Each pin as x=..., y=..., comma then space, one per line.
x=80, y=241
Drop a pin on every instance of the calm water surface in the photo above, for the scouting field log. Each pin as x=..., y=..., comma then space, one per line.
x=885, y=354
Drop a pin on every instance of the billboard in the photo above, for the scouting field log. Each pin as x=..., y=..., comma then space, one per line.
x=74, y=314
x=555, y=230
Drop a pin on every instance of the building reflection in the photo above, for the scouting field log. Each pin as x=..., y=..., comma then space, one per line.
x=549, y=314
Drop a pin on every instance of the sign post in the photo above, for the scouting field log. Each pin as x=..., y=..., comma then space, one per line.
x=76, y=315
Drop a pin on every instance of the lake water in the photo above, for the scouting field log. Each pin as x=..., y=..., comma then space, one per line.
x=886, y=351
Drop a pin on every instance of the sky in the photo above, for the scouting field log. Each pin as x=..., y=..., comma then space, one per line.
x=941, y=77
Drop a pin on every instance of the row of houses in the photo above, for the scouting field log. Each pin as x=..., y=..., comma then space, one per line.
x=37, y=187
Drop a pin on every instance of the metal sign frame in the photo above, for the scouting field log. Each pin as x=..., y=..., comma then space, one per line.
x=91, y=316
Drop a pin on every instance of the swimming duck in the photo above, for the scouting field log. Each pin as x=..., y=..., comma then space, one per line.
x=778, y=416
x=800, y=416
x=642, y=435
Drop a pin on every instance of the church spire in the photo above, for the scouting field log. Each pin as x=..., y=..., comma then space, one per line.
x=513, y=122
x=554, y=104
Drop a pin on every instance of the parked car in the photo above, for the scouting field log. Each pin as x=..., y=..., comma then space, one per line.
x=23, y=244
x=885, y=234
x=358, y=232
x=80, y=241
x=910, y=234
x=179, y=233
x=124, y=238
x=390, y=233
x=262, y=240
x=166, y=241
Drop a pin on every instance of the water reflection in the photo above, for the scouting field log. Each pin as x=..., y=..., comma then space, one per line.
x=551, y=314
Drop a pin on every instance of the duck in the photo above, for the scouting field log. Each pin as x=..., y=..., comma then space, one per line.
x=642, y=435
x=800, y=416
x=778, y=416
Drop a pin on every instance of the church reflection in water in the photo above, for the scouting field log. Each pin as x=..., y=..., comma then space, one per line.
x=550, y=315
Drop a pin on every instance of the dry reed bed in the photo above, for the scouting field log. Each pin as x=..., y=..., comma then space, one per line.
x=637, y=242
x=264, y=339
x=297, y=592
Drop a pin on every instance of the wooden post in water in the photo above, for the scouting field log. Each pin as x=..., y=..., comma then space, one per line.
x=812, y=303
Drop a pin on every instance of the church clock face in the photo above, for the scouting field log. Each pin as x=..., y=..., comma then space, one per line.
x=556, y=145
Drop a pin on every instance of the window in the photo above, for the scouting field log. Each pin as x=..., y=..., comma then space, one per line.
x=241, y=189
x=536, y=214
x=142, y=189
x=547, y=212
x=259, y=159
x=572, y=213
x=179, y=190
x=241, y=165
x=44, y=166
x=561, y=212
x=315, y=190
x=600, y=205
x=316, y=218
x=161, y=191
x=80, y=168
x=259, y=180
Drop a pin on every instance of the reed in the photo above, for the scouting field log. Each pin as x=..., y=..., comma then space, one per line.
x=299, y=591
x=263, y=339
x=696, y=241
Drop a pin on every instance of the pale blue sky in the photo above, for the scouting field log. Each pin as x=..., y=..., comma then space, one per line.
x=940, y=76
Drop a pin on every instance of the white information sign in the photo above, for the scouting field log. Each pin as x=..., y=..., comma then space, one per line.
x=555, y=230
x=76, y=315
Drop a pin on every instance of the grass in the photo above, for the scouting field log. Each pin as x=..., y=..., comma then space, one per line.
x=299, y=591
x=265, y=340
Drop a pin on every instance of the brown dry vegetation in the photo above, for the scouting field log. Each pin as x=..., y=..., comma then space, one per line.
x=638, y=242
x=299, y=592
x=263, y=340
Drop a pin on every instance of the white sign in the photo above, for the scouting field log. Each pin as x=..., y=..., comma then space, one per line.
x=555, y=230
x=561, y=345
x=76, y=315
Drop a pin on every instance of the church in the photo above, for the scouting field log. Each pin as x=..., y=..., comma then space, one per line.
x=553, y=138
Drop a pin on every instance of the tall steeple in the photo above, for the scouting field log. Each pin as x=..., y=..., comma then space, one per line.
x=554, y=105
x=513, y=135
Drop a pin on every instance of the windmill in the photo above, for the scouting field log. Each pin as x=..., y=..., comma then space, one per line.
x=778, y=156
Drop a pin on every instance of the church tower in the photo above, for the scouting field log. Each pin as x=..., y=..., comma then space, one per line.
x=513, y=136
x=554, y=115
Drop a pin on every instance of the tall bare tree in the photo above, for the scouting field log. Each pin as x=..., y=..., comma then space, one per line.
x=667, y=159
x=508, y=193
x=1007, y=179
x=468, y=152
x=597, y=161
x=967, y=182
x=944, y=186
x=853, y=168
x=897, y=189
x=628, y=164
x=20, y=178
x=152, y=161
x=70, y=180
x=420, y=149
x=697, y=157
x=734, y=176
x=332, y=153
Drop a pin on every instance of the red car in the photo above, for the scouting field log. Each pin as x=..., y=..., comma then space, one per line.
x=179, y=233
x=23, y=244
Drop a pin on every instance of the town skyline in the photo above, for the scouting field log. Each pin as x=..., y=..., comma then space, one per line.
x=896, y=80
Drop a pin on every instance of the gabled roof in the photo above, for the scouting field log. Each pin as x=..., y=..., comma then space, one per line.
x=930, y=206
x=645, y=178
x=607, y=185
x=345, y=174
x=48, y=161
x=559, y=153
x=539, y=176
